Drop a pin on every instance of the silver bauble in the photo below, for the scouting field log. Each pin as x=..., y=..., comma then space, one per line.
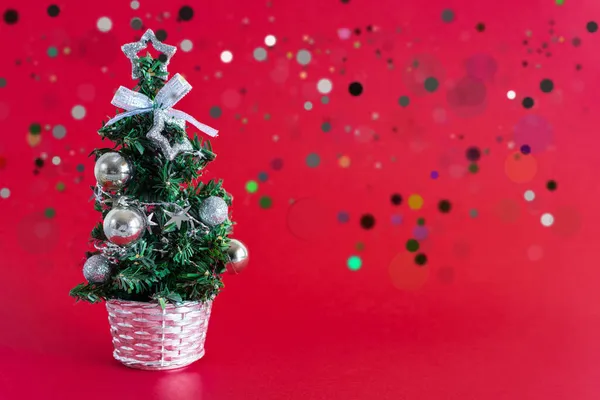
x=97, y=269
x=238, y=257
x=213, y=211
x=124, y=226
x=112, y=171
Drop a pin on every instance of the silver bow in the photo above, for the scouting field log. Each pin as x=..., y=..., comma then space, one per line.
x=138, y=103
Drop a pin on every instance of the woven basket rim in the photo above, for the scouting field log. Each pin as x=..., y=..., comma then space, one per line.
x=180, y=304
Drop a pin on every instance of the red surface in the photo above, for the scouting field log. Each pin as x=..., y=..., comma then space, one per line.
x=504, y=309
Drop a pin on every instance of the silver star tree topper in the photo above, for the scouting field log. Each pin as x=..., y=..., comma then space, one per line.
x=131, y=50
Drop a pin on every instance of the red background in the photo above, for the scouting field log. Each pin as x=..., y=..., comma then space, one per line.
x=505, y=308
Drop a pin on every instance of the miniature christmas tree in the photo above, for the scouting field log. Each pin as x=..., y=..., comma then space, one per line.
x=164, y=235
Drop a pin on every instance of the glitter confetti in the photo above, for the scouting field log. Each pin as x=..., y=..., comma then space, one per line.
x=53, y=10
x=404, y=101
x=52, y=52
x=251, y=186
x=11, y=16
x=546, y=85
x=303, y=57
x=344, y=161
x=78, y=112
x=444, y=206
x=447, y=15
x=547, y=219
x=343, y=217
x=324, y=86
x=49, y=212
x=134, y=5
x=529, y=195
x=551, y=185
x=326, y=127
x=396, y=199
x=260, y=54
x=270, y=40
x=412, y=245
x=313, y=160
x=528, y=102
x=367, y=221
x=511, y=95
x=308, y=106
x=215, y=112
x=263, y=176
x=186, y=45
x=420, y=259
x=265, y=202
x=186, y=13
x=415, y=202
x=354, y=263
x=431, y=84
x=226, y=56
x=104, y=24
x=5, y=193
x=59, y=132
x=396, y=219
x=355, y=88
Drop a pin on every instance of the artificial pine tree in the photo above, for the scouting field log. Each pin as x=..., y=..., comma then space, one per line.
x=163, y=243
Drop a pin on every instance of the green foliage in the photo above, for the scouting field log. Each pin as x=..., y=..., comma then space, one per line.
x=168, y=264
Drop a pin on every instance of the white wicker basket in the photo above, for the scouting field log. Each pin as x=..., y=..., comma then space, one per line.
x=145, y=336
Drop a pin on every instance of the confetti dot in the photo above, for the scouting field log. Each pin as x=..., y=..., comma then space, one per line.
x=186, y=13
x=39, y=162
x=134, y=5
x=80, y=168
x=303, y=57
x=396, y=199
x=251, y=186
x=161, y=35
x=53, y=10
x=308, y=106
x=473, y=154
x=412, y=245
x=480, y=27
x=59, y=132
x=263, y=176
x=404, y=101
x=186, y=45
x=520, y=168
x=5, y=193
x=104, y=24
x=137, y=24
x=277, y=164
x=78, y=112
x=473, y=213
x=551, y=185
x=260, y=54
x=56, y=160
x=592, y=27
x=447, y=15
x=354, y=263
x=444, y=206
x=559, y=2
x=576, y=42
x=49, y=212
x=525, y=149
x=529, y=195
x=324, y=100
x=511, y=95
x=415, y=202
x=60, y=186
x=355, y=88
x=35, y=129
x=396, y=219
x=421, y=221
x=326, y=127
x=344, y=161
x=431, y=84
x=265, y=202
x=420, y=259
x=547, y=219
x=313, y=160
x=2, y=82
x=270, y=40
x=367, y=221
x=324, y=86
x=546, y=85
x=52, y=52
x=528, y=102
x=11, y=16
x=226, y=56
x=215, y=111
x=434, y=175
x=343, y=217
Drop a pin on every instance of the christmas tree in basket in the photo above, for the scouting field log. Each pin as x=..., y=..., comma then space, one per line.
x=163, y=244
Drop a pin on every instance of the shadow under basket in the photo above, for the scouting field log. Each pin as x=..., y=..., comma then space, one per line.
x=145, y=336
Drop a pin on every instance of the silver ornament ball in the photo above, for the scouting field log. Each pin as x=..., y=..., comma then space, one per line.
x=213, y=211
x=112, y=171
x=238, y=257
x=124, y=225
x=97, y=269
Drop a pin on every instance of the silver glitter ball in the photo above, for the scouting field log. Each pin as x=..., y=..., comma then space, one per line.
x=238, y=257
x=213, y=211
x=123, y=226
x=97, y=269
x=112, y=171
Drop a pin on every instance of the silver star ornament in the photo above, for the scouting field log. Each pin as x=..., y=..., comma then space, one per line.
x=132, y=49
x=178, y=217
x=150, y=223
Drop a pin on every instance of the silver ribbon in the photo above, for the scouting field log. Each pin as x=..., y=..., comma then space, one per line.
x=138, y=103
